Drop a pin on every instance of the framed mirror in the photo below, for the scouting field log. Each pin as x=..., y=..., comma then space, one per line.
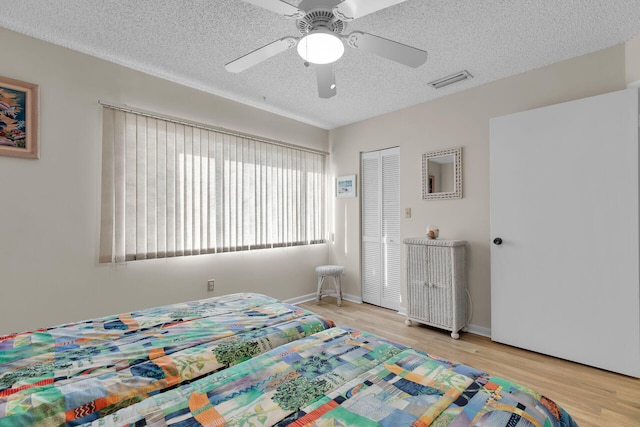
x=442, y=174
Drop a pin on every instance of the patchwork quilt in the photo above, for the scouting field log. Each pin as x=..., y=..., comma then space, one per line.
x=246, y=360
x=78, y=372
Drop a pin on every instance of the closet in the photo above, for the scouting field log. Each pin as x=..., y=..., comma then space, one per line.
x=565, y=250
x=380, y=221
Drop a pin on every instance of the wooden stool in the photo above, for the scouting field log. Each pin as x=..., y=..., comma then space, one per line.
x=334, y=271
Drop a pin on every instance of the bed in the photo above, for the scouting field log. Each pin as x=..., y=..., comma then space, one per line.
x=245, y=360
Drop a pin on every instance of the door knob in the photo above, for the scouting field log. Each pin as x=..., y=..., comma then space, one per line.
x=497, y=241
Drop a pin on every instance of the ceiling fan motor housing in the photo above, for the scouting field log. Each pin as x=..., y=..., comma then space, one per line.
x=320, y=18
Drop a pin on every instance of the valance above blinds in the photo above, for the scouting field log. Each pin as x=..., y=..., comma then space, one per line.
x=172, y=189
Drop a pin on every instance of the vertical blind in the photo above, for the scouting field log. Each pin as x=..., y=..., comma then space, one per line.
x=173, y=189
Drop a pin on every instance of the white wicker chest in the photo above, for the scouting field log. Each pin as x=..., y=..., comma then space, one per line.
x=436, y=283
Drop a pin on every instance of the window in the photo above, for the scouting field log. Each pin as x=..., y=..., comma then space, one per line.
x=171, y=188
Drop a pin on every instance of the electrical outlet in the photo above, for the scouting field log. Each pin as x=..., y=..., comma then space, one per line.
x=210, y=285
x=407, y=212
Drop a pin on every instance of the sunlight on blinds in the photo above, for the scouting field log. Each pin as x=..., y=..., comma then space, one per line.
x=170, y=189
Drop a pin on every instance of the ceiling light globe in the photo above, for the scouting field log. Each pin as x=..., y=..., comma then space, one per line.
x=320, y=47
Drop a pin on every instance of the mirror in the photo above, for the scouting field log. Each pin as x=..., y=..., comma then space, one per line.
x=442, y=174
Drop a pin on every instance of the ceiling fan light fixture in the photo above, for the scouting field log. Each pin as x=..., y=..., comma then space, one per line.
x=321, y=47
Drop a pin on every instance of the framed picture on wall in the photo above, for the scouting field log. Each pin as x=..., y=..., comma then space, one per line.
x=346, y=186
x=18, y=118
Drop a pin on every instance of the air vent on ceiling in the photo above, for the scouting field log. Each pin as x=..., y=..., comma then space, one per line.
x=449, y=80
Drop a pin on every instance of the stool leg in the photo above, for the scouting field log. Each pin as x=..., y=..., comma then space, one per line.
x=336, y=279
x=319, y=292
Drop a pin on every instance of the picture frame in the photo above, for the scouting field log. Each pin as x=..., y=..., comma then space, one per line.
x=346, y=186
x=18, y=119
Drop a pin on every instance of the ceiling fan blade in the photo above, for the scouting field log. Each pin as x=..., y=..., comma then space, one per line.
x=261, y=54
x=326, y=80
x=279, y=7
x=407, y=55
x=349, y=10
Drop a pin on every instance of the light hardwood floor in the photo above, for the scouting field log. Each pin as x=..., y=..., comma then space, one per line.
x=595, y=398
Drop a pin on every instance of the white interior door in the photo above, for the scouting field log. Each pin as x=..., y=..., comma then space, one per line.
x=564, y=201
x=380, y=173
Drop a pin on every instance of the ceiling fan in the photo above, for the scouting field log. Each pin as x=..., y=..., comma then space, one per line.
x=321, y=24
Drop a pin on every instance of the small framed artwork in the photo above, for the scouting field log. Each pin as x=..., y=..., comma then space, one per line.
x=346, y=186
x=18, y=118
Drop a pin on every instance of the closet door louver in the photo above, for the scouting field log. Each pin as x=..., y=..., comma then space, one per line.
x=371, y=192
x=380, y=171
x=391, y=229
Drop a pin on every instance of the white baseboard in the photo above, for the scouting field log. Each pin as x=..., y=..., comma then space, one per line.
x=311, y=297
x=478, y=330
x=301, y=299
x=473, y=329
x=352, y=298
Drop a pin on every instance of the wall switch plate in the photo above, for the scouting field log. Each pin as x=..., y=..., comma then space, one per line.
x=210, y=285
x=407, y=212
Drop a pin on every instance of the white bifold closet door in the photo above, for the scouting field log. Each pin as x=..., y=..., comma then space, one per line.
x=380, y=172
x=565, y=204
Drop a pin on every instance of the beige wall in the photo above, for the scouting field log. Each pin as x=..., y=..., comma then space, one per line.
x=632, y=57
x=459, y=120
x=50, y=207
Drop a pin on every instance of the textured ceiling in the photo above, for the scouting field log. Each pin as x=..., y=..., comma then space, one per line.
x=189, y=41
